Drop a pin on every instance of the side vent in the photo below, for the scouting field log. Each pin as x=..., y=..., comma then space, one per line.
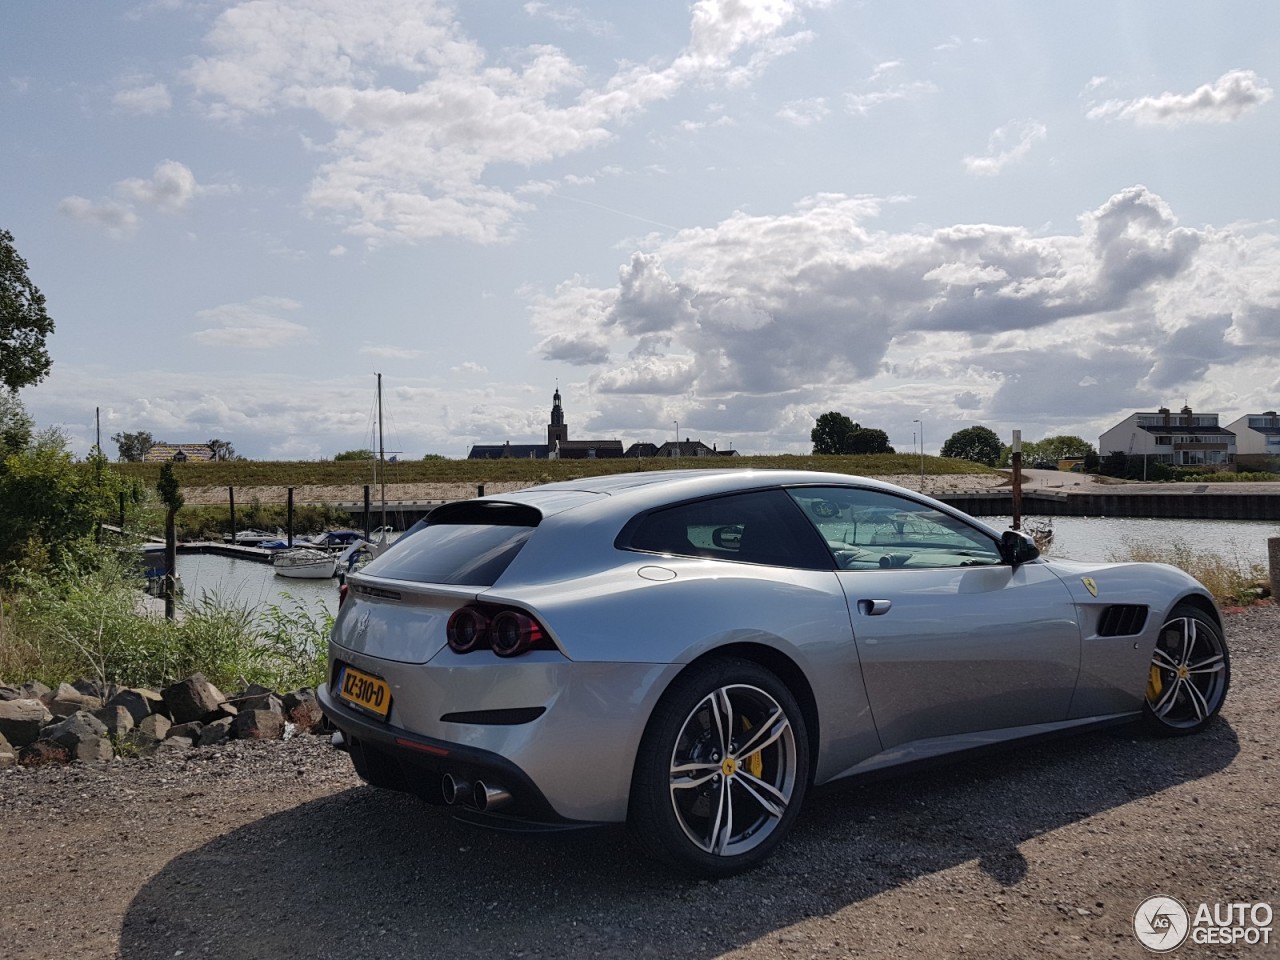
x=1122, y=620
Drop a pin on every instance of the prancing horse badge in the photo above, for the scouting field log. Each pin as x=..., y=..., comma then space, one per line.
x=1090, y=585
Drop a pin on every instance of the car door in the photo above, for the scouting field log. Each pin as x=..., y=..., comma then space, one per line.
x=952, y=639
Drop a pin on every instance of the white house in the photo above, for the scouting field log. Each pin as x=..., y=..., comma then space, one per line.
x=1182, y=439
x=1257, y=440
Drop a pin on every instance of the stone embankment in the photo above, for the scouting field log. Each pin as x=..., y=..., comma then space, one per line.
x=86, y=720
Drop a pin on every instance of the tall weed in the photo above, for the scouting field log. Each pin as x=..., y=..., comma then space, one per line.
x=1230, y=578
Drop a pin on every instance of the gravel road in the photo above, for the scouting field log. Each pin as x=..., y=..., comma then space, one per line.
x=275, y=850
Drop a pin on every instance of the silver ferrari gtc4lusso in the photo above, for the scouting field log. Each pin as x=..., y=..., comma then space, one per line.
x=689, y=651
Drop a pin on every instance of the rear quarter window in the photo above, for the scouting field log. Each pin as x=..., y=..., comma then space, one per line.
x=469, y=543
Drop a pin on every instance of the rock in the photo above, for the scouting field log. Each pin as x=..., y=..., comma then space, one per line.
x=152, y=729
x=10, y=693
x=219, y=731
x=43, y=752
x=257, y=725
x=21, y=720
x=33, y=690
x=225, y=711
x=8, y=756
x=191, y=699
x=92, y=688
x=82, y=734
x=191, y=730
x=116, y=719
x=254, y=697
x=67, y=700
x=140, y=703
x=303, y=709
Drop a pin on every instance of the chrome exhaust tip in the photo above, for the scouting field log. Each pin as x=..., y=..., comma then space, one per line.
x=487, y=797
x=454, y=790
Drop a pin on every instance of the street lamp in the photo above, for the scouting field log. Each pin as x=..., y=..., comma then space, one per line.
x=921, y=422
x=677, y=423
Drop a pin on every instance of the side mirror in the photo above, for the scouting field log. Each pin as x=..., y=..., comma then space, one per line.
x=1016, y=547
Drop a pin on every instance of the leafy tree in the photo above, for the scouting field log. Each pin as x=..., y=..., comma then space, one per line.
x=354, y=455
x=434, y=456
x=52, y=505
x=222, y=450
x=869, y=440
x=832, y=433
x=15, y=425
x=835, y=433
x=979, y=444
x=1062, y=447
x=24, y=324
x=133, y=446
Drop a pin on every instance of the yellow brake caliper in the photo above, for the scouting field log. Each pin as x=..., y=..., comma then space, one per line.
x=1154, y=684
x=755, y=762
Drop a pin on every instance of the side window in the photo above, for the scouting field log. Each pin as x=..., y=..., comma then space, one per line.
x=761, y=527
x=869, y=529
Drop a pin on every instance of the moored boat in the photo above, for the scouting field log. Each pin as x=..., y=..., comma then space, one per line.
x=305, y=564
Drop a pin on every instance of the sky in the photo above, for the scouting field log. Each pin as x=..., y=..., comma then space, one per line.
x=720, y=218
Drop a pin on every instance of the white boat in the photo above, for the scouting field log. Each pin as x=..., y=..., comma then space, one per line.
x=305, y=564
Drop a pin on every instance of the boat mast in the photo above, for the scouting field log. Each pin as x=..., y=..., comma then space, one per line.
x=382, y=473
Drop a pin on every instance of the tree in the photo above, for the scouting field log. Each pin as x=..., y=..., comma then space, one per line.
x=869, y=440
x=15, y=425
x=354, y=455
x=133, y=446
x=979, y=444
x=832, y=433
x=222, y=450
x=24, y=324
x=52, y=504
x=1063, y=447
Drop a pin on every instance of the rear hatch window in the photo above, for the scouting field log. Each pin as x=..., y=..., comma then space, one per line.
x=470, y=542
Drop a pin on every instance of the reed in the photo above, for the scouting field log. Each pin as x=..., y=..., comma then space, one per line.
x=1230, y=578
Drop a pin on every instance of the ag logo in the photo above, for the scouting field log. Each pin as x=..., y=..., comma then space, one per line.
x=1161, y=923
x=1090, y=584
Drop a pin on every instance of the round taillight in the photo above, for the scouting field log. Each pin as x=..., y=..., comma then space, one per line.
x=512, y=633
x=466, y=630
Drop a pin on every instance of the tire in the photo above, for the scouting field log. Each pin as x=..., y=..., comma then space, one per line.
x=704, y=799
x=1189, y=675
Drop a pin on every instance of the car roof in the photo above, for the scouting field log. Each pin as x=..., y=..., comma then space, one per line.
x=643, y=489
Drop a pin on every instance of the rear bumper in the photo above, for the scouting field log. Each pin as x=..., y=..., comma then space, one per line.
x=419, y=764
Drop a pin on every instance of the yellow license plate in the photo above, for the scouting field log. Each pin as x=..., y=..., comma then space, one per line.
x=364, y=690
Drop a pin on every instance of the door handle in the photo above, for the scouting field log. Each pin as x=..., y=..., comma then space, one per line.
x=874, y=608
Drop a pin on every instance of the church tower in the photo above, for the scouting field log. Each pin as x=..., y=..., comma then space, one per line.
x=556, y=429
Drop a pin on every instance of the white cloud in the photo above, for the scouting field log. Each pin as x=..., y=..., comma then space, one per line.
x=1008, y=144
x=1226, y=99
x=256, y=325
x=736, y=316
x=170, y=189
x=419, y=117
x=805, y=113
x=144, y=99
x=862, y=104
x=118, y=219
